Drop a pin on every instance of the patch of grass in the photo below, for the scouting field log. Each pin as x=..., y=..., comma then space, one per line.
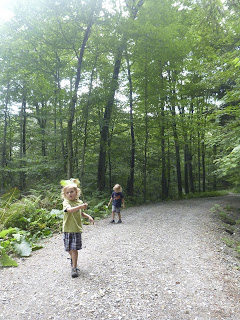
x=228, y=228
x=226, y=219
x=229, y=242
x=205, y=194
x=224, y=216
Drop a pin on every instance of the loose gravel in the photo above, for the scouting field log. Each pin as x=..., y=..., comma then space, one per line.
x=165, y=261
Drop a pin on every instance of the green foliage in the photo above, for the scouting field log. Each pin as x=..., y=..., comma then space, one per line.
x=5, y=260
x=229, y=242
x=24, y=222
x=5, y=201
x=238, y=248
x=98, y=210
x=226, y=219
x=229, y=228
x=224, y=216
x=205, y=194
x=229, y=166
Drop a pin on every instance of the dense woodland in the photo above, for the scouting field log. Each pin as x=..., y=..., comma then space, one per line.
x=144, y=93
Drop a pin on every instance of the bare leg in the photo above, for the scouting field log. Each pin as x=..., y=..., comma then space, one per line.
x=74, y=256
x=113, y=215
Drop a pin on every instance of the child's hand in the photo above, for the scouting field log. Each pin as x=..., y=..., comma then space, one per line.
x=85, y=205
x=91, y=220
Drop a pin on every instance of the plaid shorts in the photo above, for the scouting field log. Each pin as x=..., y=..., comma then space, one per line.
x=72, y=241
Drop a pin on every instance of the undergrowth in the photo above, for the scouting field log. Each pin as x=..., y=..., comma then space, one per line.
x=231, y=225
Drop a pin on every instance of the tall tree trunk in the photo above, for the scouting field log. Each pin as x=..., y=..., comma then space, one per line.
x=203, y=167
x=164, y=183
x=146, y=132
x=130, y=186
x=214, y=176
x=164, y=177
x=23, y=120
x=73, y=102
x=177, y=154
x=42, y=121
x=59, y=103
x=190, y=167
x=199, y=163
x=186, y=166
x=106, y=121
x=85, y=116
x=4, y=142
x=109, y=161
x=175, y=133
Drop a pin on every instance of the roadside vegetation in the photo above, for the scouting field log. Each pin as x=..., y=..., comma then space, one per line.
x=230, y=218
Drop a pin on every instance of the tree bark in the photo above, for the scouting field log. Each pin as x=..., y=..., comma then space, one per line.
x=106, y=120
x=4, y=143
x=86, y=115
x=23, y=120
x=130, y=186
x=72, y=106
x=146, y=133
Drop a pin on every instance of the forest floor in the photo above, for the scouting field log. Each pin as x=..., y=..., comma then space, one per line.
x=165, y=261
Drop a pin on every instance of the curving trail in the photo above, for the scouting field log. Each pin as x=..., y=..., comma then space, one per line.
x=165, y=261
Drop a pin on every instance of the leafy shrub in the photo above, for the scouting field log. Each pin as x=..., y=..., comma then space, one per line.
x=5, y=201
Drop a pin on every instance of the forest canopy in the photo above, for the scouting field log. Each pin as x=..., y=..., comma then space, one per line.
x=144, y=93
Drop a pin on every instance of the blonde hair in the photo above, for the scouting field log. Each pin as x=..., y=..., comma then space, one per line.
x=64, y=189
x=117, y=188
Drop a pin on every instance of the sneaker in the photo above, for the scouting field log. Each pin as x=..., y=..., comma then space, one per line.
x=119, y=221
x=75, y=272
x=113, y=221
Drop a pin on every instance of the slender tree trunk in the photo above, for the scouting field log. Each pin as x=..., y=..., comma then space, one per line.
x=42, y=121
x=85, y=116
x=73, y=101
x=106, y=121
x=164, y=182
x=199, y=163
x=63, y=148
x=164, y=177
x=23, y=120
x=146, y=132
x=130, y=187
x=186, y=166
x=177, y=154
x=190, y=167
x=172, y=106
x=190, y=170
x=109, y=161
x=203, y=168
x=4, y=142
x=214, y=176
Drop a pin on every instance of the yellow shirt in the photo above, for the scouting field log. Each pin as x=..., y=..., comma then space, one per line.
x=72, y=222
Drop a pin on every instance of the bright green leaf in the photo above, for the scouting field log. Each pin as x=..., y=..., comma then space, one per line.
x=23, y=249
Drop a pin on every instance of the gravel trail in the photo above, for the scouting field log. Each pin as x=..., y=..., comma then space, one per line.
x=165, y=261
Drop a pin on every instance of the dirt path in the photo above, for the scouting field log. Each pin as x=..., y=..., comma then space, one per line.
x=165, y=261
